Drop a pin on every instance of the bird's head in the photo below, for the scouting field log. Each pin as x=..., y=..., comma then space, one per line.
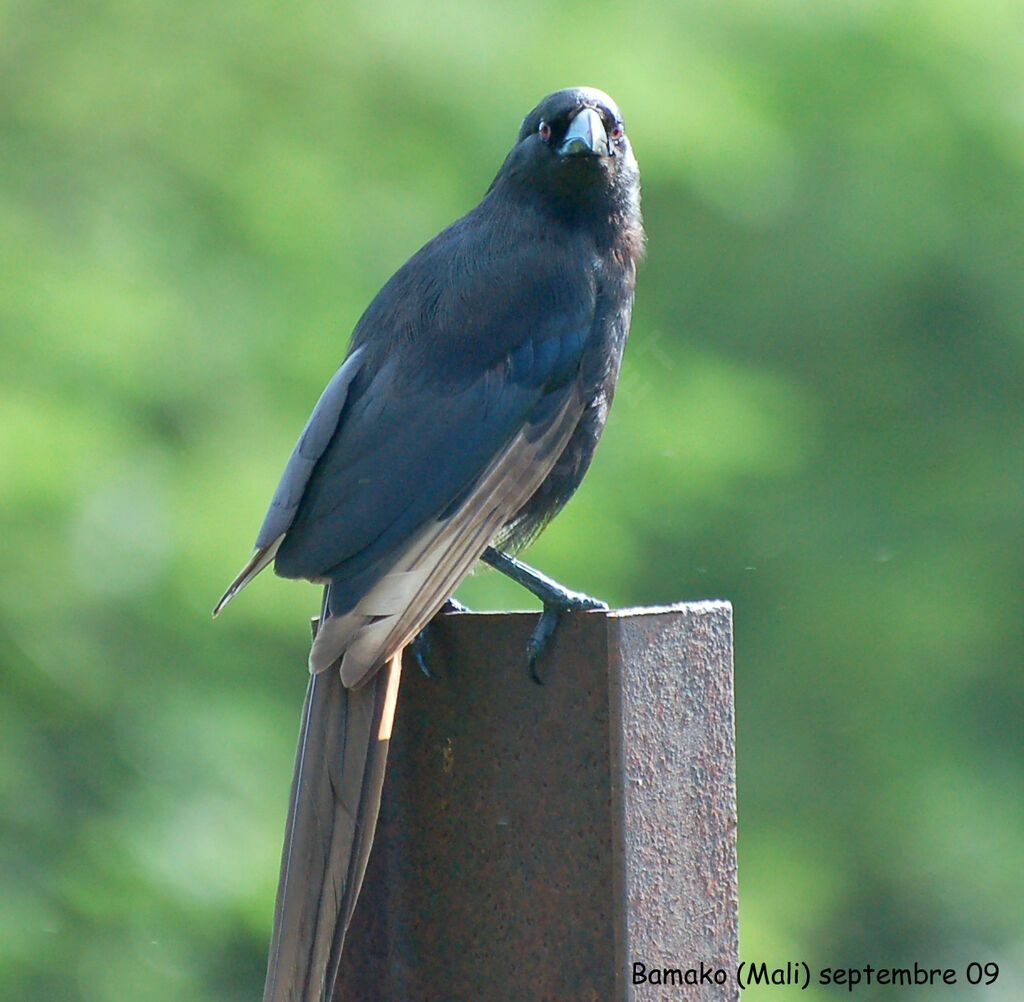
x=576, y=122
x=572, y=151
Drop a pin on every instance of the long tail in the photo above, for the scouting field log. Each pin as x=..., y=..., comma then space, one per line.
x=332, y=814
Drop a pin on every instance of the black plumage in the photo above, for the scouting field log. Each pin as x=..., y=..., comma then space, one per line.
x=467, y=411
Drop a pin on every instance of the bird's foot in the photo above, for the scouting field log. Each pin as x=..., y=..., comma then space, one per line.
x=556, y=598
x=548, y=623
x=420, y=646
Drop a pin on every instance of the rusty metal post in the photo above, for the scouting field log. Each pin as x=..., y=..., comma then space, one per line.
x=536, y=842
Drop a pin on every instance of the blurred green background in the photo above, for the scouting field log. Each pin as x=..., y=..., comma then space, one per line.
x=821, y=418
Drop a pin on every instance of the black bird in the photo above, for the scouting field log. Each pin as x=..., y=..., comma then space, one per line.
x=467, y=411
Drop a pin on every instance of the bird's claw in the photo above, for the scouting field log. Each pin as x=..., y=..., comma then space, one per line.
x=548, y=623
x=420, y=645
x=538, y=641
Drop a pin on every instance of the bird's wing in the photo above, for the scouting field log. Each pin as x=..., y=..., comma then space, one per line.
x=460, y=405
x=412, y=441
x=413, y=578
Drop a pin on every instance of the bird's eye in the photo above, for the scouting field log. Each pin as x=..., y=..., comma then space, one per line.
x=545, y=131
x=616, y=132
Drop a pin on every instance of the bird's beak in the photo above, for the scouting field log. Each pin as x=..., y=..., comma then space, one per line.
x=586, y=136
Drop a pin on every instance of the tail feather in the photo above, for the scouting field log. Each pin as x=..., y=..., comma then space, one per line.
x=332, y=814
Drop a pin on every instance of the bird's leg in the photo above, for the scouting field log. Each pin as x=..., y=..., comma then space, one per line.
x=420, y=645
x=556, y=598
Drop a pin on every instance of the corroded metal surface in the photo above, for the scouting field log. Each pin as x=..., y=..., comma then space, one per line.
x=536, y=841
x=674, y=735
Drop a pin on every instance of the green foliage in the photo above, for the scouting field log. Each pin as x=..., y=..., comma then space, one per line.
x=821, y=418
